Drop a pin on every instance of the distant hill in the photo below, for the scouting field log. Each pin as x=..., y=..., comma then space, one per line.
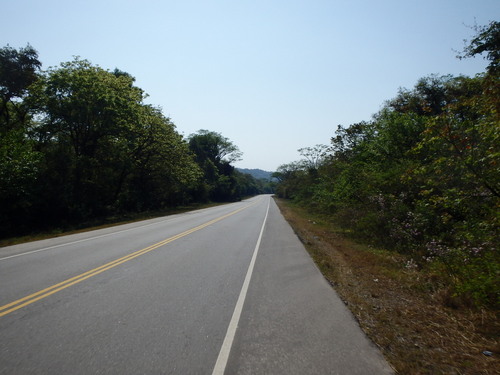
x=257, y=173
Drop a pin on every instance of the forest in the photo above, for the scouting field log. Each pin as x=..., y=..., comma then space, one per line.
x=421, y=178
x=78, y=144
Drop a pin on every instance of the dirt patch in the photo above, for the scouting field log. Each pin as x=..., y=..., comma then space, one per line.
x=404, y=311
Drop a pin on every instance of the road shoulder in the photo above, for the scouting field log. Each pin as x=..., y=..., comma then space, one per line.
x=293, y=322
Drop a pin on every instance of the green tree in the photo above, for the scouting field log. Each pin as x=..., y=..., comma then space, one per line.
x=163, y=170
x=213, y=146
x=314, y=156
x=487, y=40
x=214, y=154
x=291, y=178
x=19, y=162
x=422, y=177
x=86, y=114
x=19, y=69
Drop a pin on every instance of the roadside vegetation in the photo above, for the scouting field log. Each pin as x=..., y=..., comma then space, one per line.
x=406, y=311
x=420, y=180
x=79, y=145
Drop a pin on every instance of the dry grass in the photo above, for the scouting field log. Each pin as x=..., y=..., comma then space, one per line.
x=403, y=310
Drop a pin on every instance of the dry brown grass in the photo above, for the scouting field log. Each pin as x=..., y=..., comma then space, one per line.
x=403, y=310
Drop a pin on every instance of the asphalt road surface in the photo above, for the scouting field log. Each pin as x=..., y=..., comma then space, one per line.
x=228, y=289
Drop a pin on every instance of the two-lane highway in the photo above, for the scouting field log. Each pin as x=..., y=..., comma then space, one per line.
x=228, y=288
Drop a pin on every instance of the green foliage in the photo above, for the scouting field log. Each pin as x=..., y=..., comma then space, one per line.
x=77, y=143
x=20, y=163
x=487, y=40
x=213, y=146
x=18, y=71
x=421, y=178
x=290, y=177
x=214, y=153
x=19, y=171
x=476, y=275
x=161, y=170
x=314, y=156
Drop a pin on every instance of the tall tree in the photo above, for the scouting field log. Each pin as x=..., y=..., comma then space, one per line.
x=487, y=40
x=19, y=162
x=164, y=171
x=214, y=146
x=86, y=115
x=315, y=156
x=422, y=176
x=18, y=70
x=214, y=154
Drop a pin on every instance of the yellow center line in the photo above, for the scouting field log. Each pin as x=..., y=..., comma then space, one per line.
x=28, y=300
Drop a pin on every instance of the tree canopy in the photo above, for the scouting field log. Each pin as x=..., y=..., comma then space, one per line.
x=214, y=153
x=422, y=177
x=78, y=143
x=487, y=40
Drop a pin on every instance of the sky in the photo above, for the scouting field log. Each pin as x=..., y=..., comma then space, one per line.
x=272, y=76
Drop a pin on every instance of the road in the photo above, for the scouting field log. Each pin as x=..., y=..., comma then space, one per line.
x=229, y=289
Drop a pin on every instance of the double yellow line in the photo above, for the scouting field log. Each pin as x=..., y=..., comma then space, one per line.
x=28, y=300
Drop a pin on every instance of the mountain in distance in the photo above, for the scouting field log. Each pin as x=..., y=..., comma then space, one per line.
x=257, y=173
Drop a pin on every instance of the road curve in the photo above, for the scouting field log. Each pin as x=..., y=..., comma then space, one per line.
x=228, y=289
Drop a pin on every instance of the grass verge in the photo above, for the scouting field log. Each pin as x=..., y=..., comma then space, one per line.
x=404, y=311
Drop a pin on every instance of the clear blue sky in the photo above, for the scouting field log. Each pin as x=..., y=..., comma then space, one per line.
x=272, y=76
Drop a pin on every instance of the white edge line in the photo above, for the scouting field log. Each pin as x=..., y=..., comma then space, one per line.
x=222, y=359
x=78, y=241
x=90, y=238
